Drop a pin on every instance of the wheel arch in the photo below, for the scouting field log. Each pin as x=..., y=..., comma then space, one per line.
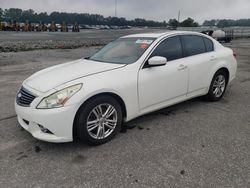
x=226, y=71
x=216, y=69
x=115, y=96
x=210, y=96
x=212, y=74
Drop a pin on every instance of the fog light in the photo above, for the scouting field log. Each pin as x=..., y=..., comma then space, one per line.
x=44, y=130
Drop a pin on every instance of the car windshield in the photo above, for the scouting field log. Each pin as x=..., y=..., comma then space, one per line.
x=123, y=50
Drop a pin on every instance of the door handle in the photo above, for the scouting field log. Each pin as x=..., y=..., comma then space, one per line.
x=182, y=67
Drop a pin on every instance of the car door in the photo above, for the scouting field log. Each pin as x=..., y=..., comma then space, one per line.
x=199, y=56
x=159, y=84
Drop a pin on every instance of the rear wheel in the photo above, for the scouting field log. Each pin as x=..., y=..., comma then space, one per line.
x=227, y=40
x=99, y=120
x=218, y=86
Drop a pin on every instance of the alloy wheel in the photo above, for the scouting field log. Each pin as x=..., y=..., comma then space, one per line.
x=219, y=86
x=102, y=121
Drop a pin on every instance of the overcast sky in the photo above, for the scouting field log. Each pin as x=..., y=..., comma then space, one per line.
x=150, y=9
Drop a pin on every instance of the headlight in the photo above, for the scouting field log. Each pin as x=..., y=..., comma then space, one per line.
x=59, y=98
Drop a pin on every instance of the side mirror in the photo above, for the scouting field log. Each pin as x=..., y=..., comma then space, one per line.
x=157, y=61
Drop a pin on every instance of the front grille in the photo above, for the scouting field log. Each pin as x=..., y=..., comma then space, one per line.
x=25, y=97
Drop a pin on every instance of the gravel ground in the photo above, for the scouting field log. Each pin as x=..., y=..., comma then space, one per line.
x=192, y=144
x=26, y=41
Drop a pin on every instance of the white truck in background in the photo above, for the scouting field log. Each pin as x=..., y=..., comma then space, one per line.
x=220, y=35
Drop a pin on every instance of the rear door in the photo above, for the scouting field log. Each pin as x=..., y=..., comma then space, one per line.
x=199, y=53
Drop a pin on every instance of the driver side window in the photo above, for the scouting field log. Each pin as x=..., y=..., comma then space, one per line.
x=170, y=48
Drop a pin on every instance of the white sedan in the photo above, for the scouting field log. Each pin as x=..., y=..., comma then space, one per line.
x=134, y=75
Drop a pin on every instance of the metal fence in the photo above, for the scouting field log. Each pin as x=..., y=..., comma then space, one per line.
x=238, y=32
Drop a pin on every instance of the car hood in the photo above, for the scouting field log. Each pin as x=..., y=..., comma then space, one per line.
x=52, y=77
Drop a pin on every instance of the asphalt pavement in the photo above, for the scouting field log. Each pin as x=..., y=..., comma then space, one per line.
x=192, y=144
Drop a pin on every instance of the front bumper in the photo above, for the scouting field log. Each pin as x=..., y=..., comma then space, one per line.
x=58, y=121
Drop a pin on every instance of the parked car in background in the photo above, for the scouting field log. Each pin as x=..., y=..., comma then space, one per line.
x=134, y=75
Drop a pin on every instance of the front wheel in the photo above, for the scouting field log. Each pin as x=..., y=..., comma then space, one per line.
x=218, y=86
x=99, y=120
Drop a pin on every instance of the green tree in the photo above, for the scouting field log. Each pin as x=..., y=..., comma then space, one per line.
x=189, y=22
x=19, y=15
x=12, y=14
x=210, y=23
x=43, y=17
x=28, y=15
x=1, y=13
x=223, y=23
x=165, y=23
x=173, y=23
x=227, y=23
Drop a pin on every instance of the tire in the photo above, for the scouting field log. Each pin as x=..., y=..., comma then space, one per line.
x=228, y=40
x=89, y=123
x=216, y=92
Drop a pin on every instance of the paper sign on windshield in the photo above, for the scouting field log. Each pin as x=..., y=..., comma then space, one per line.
x=143, y=41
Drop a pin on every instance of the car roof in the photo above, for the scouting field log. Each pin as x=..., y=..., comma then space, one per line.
x=161, y=34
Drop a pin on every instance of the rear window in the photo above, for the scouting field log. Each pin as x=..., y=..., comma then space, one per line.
x=193, y=45
x=209, y=44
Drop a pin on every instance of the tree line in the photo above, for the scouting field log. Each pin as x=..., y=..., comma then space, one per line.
x=21, y=16
x=227, y=23
x=189, y=22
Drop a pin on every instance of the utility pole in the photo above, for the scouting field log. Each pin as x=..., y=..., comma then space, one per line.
x=115, y=8
x=179, y=14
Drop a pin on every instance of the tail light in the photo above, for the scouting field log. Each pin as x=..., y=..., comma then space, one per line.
x=234, y=54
